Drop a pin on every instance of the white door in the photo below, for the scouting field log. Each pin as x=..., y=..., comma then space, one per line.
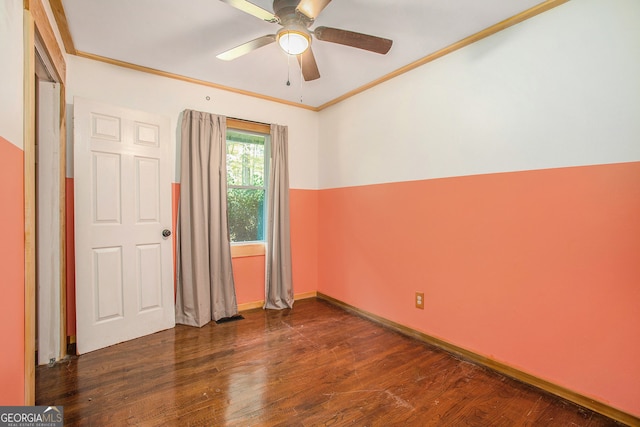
x=124, y=264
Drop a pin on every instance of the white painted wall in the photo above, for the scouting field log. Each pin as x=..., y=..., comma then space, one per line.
x=11, y=71
x=561, y=89
x=169, y=97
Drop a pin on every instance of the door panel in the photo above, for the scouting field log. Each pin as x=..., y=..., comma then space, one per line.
x=147, y=185
x=107, y=285
x=106, y=184
x=124, y=266
x=149, y=273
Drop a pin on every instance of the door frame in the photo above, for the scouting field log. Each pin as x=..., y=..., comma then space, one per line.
x=37, y=29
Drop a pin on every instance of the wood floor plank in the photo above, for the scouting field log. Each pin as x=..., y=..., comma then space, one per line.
x=314, y=365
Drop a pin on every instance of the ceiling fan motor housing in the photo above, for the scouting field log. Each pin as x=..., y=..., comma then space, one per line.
x=286, y=11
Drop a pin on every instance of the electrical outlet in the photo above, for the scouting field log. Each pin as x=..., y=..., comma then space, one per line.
x=420, y=300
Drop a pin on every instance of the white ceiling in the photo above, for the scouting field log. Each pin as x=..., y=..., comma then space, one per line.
x=183, y=37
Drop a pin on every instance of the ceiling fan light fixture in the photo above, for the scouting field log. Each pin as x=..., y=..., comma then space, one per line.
x=293, y=42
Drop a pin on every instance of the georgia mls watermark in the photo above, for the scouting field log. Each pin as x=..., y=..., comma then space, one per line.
x=31, y=416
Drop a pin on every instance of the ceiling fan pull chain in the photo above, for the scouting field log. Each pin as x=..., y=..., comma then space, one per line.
x=288, y=69
x=301, y=77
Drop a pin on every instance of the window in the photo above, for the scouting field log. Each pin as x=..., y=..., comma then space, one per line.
x=247, y=173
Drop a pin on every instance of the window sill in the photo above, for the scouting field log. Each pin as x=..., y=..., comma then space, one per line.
x=247, y=249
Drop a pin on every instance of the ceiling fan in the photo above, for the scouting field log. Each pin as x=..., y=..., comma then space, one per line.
x=295, y=17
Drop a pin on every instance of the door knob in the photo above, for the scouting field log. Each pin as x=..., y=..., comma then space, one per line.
x=166, y=233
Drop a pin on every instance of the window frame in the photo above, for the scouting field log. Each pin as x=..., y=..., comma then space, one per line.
x=253, y=248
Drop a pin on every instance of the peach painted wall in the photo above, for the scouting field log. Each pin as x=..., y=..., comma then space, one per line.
x=12, y=279
x=12, y=384
x=537, y=269
x=304, y=239
x=248, y=275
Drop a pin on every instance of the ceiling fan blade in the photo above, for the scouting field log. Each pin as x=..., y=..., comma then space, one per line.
x=247, y=47
x=308, y=64
x=353, y=39
x=312, y=8
x=252, y=9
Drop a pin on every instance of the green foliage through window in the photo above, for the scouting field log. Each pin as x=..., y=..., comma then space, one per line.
x=246, y=185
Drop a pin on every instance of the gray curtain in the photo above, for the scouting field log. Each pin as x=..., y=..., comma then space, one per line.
x=205, y=289
x=279, y=282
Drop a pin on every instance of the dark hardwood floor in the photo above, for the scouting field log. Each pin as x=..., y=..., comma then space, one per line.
x=314, y=365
